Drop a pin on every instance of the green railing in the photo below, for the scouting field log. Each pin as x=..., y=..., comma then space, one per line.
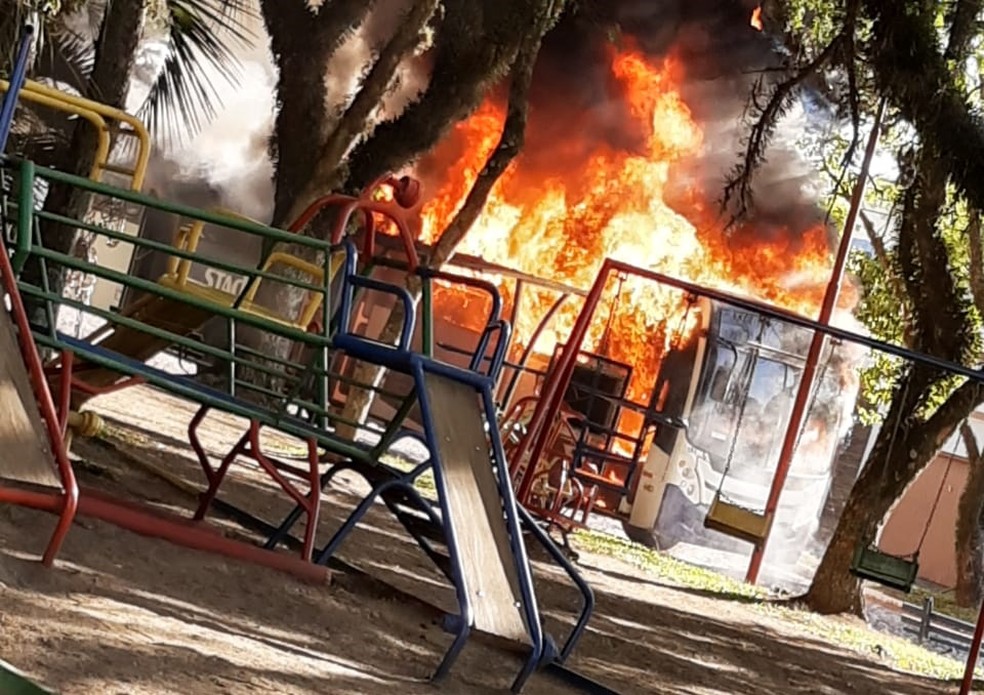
x=252, y=380
x=271, y=387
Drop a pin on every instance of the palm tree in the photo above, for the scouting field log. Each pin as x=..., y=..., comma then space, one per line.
x=90, y=47
x=197, y=38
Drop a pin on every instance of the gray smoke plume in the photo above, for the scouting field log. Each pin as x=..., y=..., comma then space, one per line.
x=227, y=163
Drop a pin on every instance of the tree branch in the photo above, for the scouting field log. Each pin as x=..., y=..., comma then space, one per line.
x=941, y=424
x=963, y=27
x=738, y=188
x=328, y=173
x=970, y=441
x=976, y=261
x=108, y=82
x=941, y=322
x=510, y=142
x=877, y=243
x=477, y=44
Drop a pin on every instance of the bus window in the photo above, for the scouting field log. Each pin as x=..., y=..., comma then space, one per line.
x=767, y=394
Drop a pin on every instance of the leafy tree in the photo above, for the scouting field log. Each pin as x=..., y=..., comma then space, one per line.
x=913, y=55
x=471, y=45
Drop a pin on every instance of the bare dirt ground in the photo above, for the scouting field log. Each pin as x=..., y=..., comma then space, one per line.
x=125, y=614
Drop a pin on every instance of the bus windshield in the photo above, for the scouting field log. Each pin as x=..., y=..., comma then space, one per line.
x=764, y=385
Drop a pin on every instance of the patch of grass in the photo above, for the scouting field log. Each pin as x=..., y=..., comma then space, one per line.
x=896, y=652
x=424, y=483
x=672, y=571
x=844, y=632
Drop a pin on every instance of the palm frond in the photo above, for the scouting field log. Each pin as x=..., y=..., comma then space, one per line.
x=71, y=50
x=202, y=37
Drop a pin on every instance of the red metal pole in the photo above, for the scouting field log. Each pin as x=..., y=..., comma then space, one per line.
x=816, y=347
x=554, y=387
x=185, y=532
x=975, y=648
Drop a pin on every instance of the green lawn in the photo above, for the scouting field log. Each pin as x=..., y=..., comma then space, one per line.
x=849, y=634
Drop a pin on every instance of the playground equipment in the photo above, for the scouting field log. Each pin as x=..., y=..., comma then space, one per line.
x=121, y=159
x=694, y=458
x=109, y=123
x=878, y=566
x=482, y=526
x=535, y=449
x=293, y=401
x=896, y=571
x=889, y=570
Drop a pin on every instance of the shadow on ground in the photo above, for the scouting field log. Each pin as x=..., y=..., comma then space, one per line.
x=194, y=622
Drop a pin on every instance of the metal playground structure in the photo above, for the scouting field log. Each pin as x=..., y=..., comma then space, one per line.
x=282, y=347
x=48, y=374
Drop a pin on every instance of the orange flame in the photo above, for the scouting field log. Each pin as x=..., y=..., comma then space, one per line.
x=756, y=20
x=561, y=208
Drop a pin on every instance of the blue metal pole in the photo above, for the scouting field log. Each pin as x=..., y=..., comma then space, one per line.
x=17, y=76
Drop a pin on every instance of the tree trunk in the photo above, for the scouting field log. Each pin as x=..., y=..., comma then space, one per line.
x=305, y=133
x=108, y=84
x=833, y=589
x=510, y=144
x=330, y=170
x=895, y=460
x=302, y=44
x=968, y=541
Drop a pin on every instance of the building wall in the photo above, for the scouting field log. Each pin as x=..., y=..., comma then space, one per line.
x=907, y=521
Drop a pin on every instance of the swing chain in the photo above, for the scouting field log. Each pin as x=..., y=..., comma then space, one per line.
x=606, y=336
x=691, y=300
x=936, y=503
x=813, y=401
x=895, y=433
x=736, y=432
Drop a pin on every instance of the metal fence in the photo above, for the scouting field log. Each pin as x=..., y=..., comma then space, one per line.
x=937, y=630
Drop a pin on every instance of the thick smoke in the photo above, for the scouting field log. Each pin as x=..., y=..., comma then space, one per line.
x=227, y=163
x=722, y=57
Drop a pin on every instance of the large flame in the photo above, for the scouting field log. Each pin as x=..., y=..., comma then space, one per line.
x=558, y=211
x=756, y=20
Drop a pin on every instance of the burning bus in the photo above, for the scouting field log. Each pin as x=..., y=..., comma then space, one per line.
x=733, y=386
x=710, y=423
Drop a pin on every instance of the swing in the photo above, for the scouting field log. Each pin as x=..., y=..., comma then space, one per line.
x=725, y=516
x=895, y=571
x=735, y=520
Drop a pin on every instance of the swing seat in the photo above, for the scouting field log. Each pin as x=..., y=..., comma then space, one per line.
x=736, y=521
x=889, y=570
